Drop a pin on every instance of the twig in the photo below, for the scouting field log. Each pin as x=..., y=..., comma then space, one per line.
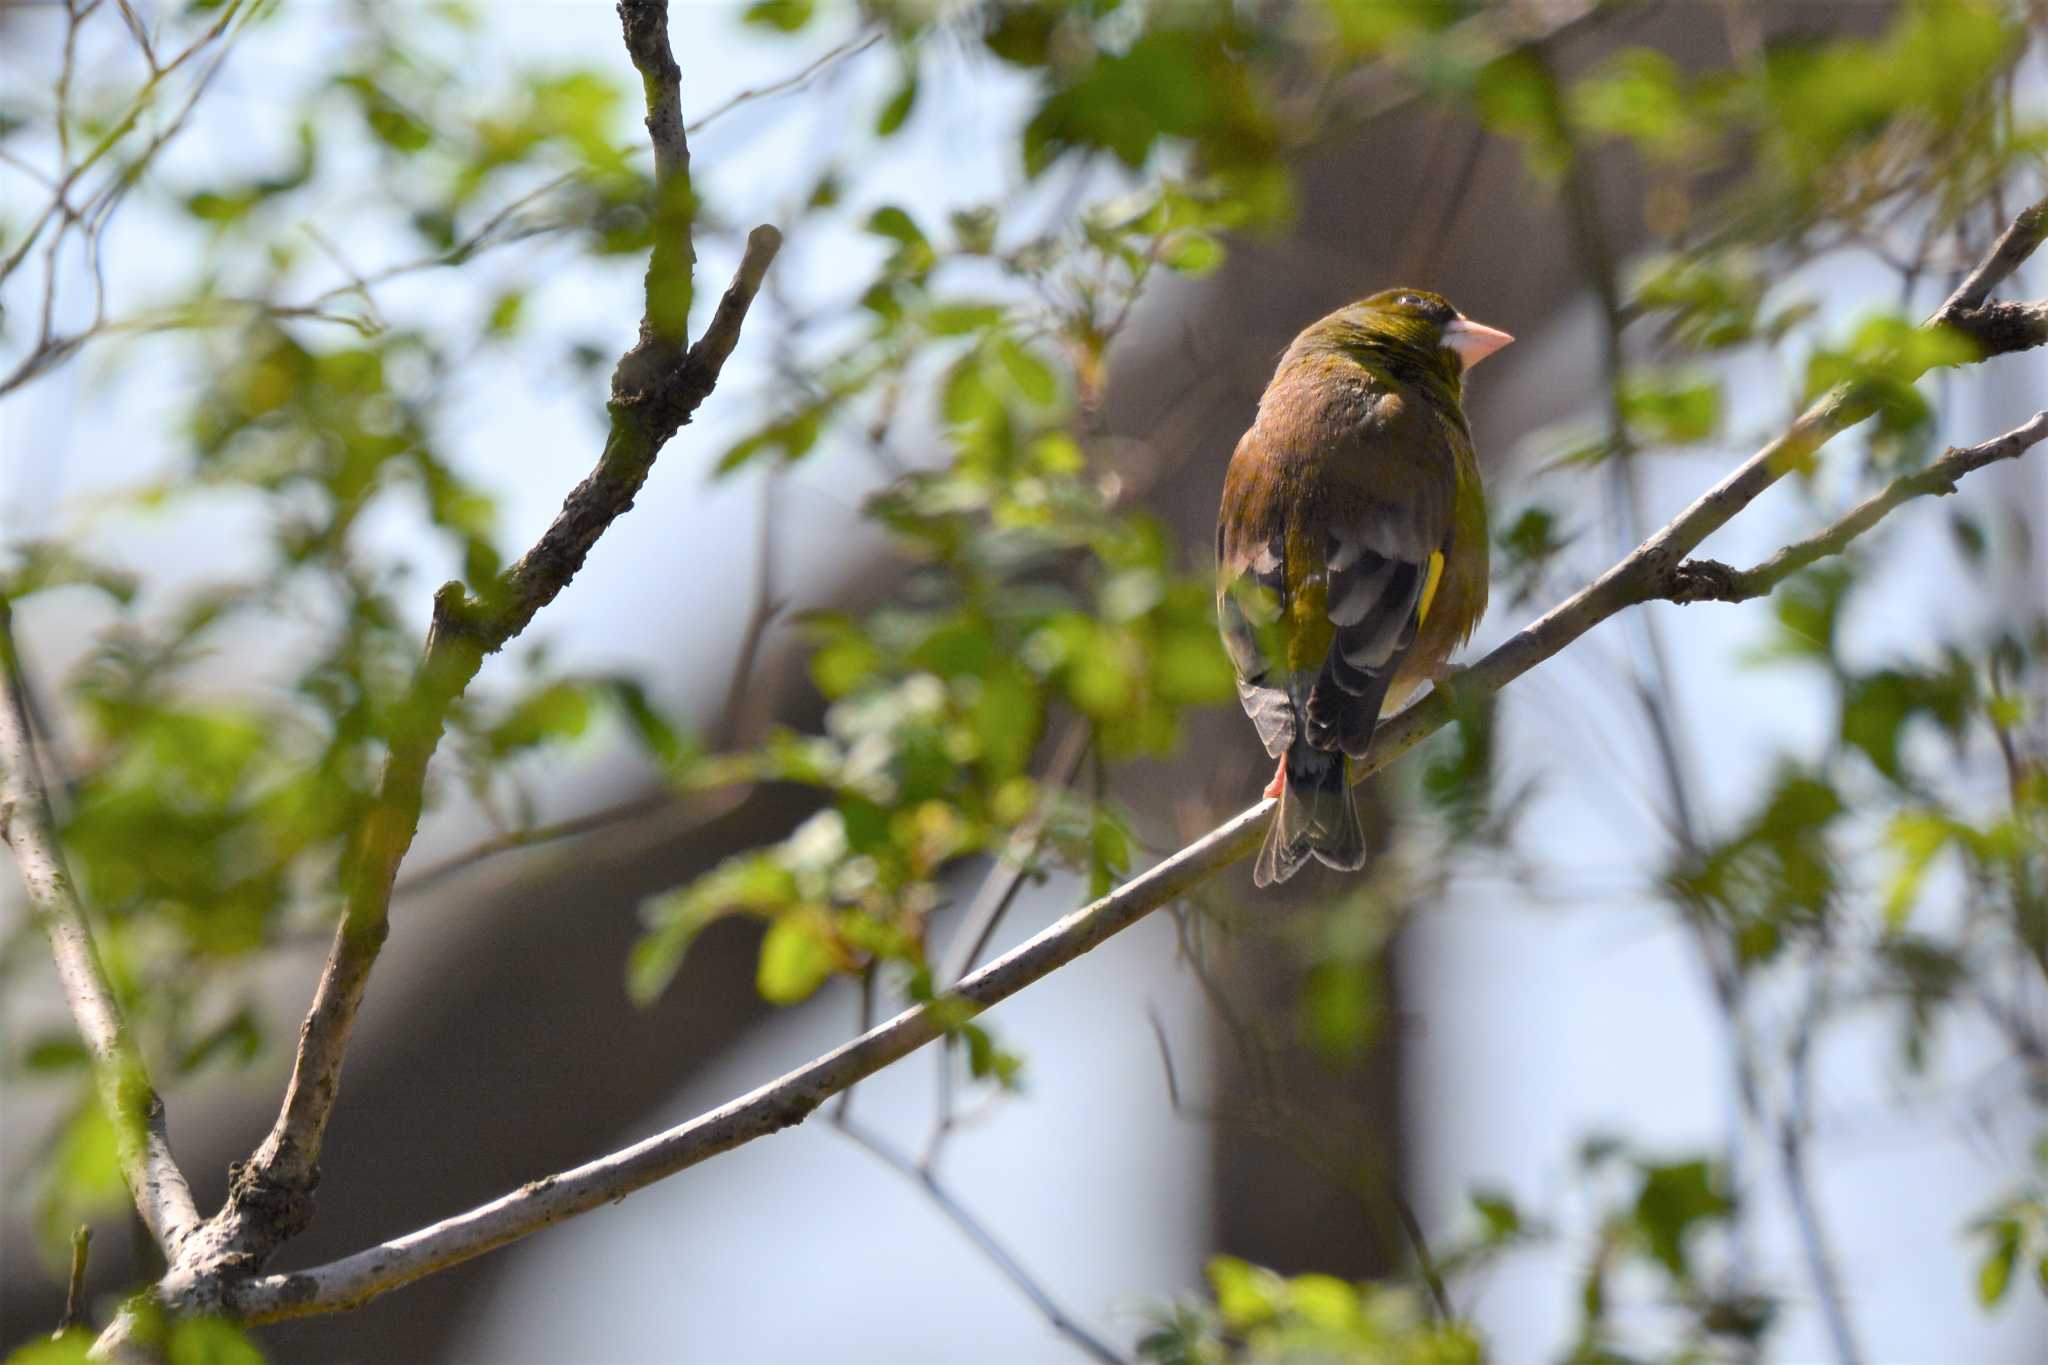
x=622, y=812
x=852, y=47
x=1707, y=580
x=74, y=1288
x=154, y=1181
x=998, y=1255
x=1792, y=1128
x=742, y=699
x=656, y=388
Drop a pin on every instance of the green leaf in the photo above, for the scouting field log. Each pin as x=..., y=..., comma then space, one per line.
x=784, y=16
x=1109, y=853
x=1517, y=97
x=1008, y=714
x=1497, y=1212
x=750, y=883
x=986, y=1061
x=503, y=319
x=892, y=222
x=1640, y=95
x=1246, y=1295
x=1033, y=377
x=73, y=1348
x=960, y=318
x=1994, y=1272
x=1674, y=1199
x=56, y=1052
x=1918, y=836
x=210, y=1341
x=558, y=711
x=1173, y=81
x=1193, y=253
x=1669, y=411
x=796, y=957
x=898, y=106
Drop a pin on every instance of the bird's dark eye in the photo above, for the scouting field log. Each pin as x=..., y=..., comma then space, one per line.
x=1409, y=301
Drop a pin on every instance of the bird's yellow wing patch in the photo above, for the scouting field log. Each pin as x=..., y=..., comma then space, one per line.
x=1429, y=583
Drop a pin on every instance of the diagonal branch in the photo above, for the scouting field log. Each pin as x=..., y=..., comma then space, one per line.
x=153, y=1178
x=1708, y=580
x=359, y=1278
x=656, y=388
x=1646, y=574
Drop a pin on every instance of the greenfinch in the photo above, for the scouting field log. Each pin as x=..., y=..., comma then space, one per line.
x=1351, y=551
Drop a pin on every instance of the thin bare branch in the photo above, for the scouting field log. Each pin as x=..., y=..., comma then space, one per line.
x=1707, y=580
x=154, y=1180
x=984, y=1241
x=852, y=47
x=590, y=822
x=74, y=1287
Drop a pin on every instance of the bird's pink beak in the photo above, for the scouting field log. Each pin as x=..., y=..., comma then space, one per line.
x=1473, y=341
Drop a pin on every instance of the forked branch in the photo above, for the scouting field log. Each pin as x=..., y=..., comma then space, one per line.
x=657, y=387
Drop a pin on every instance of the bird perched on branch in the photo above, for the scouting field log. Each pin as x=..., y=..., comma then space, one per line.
x=1351, y=550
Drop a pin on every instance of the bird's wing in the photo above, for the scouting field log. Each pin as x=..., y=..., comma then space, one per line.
x=1251, y=597
x=1381, y=565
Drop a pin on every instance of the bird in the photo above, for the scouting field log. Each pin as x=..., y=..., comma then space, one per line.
x=1351, y=551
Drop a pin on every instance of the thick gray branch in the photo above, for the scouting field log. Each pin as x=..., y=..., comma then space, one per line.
x=154, y=1180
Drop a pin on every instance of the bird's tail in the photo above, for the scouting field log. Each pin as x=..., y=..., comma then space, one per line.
x=1316, y=817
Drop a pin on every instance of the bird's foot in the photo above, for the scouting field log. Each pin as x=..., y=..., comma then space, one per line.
x=1443, y=675
x=1279, y=782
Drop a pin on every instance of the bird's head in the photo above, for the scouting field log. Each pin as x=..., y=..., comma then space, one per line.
x=1413, y=330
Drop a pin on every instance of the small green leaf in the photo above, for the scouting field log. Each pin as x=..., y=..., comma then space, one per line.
x=1994, y=1272
x=1669, y=411
x=1246, y=1295
x=1192, y=253
x=1918, y=836
x=210, y=1341
x=505, y=313
x=892, y=222
x=899, y=105
x=960, y=318
x=784, y=16
x=1033, y=377
x=796, y=957
x=73, y=1348
x=1674, y=1199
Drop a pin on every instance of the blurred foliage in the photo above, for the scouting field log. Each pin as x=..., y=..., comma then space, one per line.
x=225, y=728
x=1261, y=1316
